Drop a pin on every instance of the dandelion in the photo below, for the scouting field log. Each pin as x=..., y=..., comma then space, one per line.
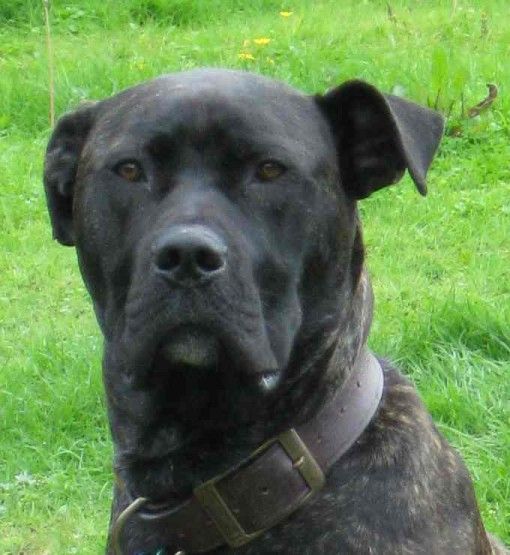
x=246, y=56
x=286, y=14
x=262, y=41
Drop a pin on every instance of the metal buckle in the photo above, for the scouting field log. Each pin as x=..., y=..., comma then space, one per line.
x=230, y=528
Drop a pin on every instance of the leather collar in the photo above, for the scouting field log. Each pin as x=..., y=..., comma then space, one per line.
x=269, y=485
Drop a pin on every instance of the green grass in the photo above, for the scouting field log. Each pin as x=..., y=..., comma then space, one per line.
x=441, y=265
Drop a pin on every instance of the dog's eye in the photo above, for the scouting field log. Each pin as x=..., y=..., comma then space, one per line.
x=130, y=171
x=269, y=170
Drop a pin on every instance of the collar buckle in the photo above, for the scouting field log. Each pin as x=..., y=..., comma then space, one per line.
x=229, y=526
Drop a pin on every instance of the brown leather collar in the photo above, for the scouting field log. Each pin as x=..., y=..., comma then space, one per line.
x=272, y=483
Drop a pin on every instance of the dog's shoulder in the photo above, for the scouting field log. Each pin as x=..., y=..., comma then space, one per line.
x=404, y=483
x=401, y=421
x=400, y=489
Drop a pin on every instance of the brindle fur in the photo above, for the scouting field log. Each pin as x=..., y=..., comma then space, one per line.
x=294, y=292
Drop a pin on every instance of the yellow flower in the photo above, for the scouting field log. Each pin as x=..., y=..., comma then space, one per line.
x=286, y=14
x=262, y=41
x=246, y=56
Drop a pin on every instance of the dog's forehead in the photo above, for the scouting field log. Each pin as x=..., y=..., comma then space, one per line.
x=224, y=86
x=201, y=98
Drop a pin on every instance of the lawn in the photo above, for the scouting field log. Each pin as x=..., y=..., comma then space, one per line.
x=440, y=265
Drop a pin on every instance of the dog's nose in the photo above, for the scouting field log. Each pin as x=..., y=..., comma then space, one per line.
x=186, y=254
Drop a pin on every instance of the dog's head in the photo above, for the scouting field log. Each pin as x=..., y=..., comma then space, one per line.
x=214, y=216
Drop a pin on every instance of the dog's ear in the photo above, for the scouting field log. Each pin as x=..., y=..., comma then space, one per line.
x=60, y=167
x=378, y=136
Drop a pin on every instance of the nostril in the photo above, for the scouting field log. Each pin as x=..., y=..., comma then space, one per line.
x=189, y=254
x=208, y=260
x=168, y=259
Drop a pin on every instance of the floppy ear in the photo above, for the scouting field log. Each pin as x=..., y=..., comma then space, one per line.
x=60, y=167
x=379, y=136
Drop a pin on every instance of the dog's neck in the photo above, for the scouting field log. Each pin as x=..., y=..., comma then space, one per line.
x=321, y=373
x=317, y=375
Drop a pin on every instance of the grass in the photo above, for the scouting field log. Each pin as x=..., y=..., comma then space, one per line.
x=440, y=266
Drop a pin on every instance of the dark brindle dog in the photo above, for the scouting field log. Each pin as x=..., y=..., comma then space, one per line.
x=214, y=216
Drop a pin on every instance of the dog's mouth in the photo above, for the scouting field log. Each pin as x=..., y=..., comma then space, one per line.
x=194, y=352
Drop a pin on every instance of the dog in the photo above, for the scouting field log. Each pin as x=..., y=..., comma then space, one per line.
x=214, y=215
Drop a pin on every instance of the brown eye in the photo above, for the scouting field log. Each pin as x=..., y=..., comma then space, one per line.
x=267, y=171
x=130, y=171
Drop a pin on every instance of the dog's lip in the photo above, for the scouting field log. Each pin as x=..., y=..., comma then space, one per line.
x=255, y=363
x=212, y=346
x=209, y=357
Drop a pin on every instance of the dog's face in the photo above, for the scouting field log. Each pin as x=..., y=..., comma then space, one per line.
x=196, y=211
x=214, y=215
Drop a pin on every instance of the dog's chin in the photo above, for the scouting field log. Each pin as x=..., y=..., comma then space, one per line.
x=191, y=347
x=197, y=350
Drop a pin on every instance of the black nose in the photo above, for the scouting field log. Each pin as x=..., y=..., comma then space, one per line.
x=187, y=254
